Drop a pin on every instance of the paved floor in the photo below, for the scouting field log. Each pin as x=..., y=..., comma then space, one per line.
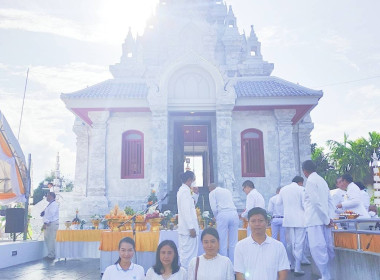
x=77, y=269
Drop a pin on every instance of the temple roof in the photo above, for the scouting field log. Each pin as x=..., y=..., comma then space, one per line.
x=111, y=89
x=272, y=87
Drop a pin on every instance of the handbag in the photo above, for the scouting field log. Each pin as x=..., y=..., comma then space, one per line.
x=196, y=269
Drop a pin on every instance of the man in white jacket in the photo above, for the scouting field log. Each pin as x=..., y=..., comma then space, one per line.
x=254, y=199
x=276, y=210
x=292, y=199
x=354, y=201
x=319, y=211
x=338, y=196
x=227, y=219
x=188, y=228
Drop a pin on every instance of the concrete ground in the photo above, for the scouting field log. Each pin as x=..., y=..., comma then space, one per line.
x=78, y=269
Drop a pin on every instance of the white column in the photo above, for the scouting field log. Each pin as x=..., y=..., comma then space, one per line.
x=226, y=177
x=159, y=152
x=81, y=164
x=305, y=127
x=96, y=185
x=285, y=138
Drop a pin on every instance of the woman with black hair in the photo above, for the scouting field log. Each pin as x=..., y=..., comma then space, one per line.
x=124, y=268
x=167, y=263
x=188, y=228
x=211, y=265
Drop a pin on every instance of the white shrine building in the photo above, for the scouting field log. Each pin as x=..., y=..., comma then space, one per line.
x=191, y=87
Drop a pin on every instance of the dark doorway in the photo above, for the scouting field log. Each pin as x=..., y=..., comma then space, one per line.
x=192, y=150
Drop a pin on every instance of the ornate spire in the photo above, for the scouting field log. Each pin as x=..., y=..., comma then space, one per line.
x=129, y=46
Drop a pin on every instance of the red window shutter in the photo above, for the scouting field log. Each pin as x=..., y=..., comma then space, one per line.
x=252, y=153
x=132, y=159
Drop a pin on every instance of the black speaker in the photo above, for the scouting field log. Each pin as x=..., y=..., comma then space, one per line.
x=14, y=220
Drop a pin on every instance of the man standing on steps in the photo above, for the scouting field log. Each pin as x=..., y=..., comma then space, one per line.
x=227, y=219
x=319, y=211
x=254, y=199
x=50, y=217
x=292, y=199
x=188, y=228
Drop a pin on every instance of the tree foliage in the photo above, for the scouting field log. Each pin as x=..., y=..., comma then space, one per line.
x=349, y=156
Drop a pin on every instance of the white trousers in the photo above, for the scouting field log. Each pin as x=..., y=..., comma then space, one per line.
x=50, y=234
x=278, y=229
x=321, y=248
x=227, y=226
x=295, y=240
x=187, y=249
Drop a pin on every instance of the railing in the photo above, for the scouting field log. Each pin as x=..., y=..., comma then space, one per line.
x=369, y=226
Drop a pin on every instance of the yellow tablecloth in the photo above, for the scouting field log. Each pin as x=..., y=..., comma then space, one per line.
x=349, y=241
x=78, y=235
x=145, y=241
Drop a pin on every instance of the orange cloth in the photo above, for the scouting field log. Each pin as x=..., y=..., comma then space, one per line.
x=147, y=241
x=110, y=239
x=371, y=240
x=78, y=235
x=349, y=241
x=345, y=240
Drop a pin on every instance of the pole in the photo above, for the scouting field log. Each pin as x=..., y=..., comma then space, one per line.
x=22, y=108
x=27, y=195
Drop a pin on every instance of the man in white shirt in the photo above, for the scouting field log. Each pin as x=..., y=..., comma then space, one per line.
x=188, y=228
x=254, y=199
x=259, y=256
x=50, y=217
x=364, y=195
x=354, y=201
x=292, y=199
x=276, y=210
x=338, y=196
x=227, y=219
x=319, y=211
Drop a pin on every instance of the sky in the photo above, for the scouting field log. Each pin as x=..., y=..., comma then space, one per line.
x=68, y=45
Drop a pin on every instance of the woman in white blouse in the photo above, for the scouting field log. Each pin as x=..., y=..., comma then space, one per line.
x=167, y=263
x=124, y=268
x=211, y=265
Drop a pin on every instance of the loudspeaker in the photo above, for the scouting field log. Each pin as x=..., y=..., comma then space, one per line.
x=14, y=220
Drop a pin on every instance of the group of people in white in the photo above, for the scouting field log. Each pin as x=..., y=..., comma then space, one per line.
x=301, y=220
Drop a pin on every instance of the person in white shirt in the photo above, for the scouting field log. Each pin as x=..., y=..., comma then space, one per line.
x=188, y=228
x=354, y=201
x=276, y=210
x=227, y=219
x=167, y=263
x=50, y=217
x=195, y=194
x=292, y=199
x=338, y=196
x=211, y=265
x=364, y=195
x=319, y=211
x=124, y=268
x=254, y=199
x=259, y=256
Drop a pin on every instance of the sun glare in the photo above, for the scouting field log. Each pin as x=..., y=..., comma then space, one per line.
x=117, y=16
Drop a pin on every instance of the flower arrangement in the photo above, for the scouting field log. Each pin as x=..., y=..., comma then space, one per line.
x=152, y=199
x=152, y=215
x=129, y=211
x=116, y=213
x=96, y=217
x=207, y=220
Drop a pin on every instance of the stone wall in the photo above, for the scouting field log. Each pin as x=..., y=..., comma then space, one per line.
x=266, y=122
x=132, y=192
